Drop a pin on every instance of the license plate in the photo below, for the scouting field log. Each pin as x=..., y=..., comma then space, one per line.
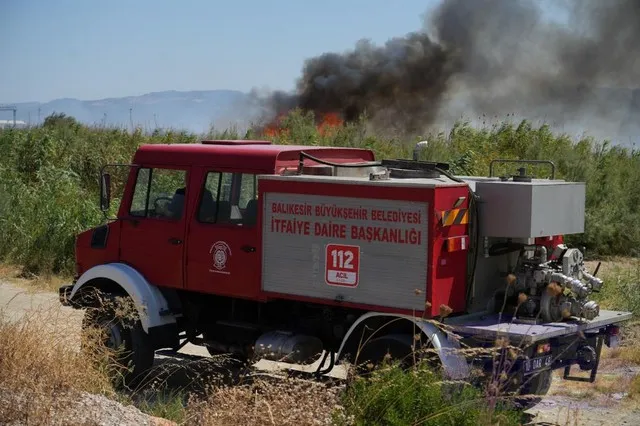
x=534, y=364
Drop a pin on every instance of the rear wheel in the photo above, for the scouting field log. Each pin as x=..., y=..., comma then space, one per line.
x=534, y=389
x=114, y=326
x=399, y=348
x=395, y=347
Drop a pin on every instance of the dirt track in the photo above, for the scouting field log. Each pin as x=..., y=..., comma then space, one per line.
x=568, y=403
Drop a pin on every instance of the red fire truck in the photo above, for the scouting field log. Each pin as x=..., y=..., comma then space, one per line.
x=306, y=253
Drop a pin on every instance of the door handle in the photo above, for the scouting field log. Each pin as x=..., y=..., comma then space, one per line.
x=175, y=241
x=248, y=249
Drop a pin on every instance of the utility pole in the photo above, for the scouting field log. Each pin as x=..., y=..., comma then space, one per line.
x=131, y=118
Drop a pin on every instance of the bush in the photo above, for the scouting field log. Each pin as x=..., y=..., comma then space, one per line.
x=49, y=175
x=391, y=396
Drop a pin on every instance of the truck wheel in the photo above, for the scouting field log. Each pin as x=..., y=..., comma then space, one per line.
x=122, y=334
x=373, y=353
x=538, y=385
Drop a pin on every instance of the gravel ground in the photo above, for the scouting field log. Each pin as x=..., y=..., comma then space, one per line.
x=84, y=409
x=565, y=410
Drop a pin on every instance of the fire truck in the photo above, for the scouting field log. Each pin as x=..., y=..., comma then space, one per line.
x=307, y=254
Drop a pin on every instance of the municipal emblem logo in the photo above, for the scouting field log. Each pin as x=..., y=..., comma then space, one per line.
x=220, y=253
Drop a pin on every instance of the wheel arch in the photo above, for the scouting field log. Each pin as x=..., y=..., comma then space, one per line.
x=118, y=278
x=454, y=364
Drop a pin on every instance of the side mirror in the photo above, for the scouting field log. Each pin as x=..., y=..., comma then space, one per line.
x=105, y=192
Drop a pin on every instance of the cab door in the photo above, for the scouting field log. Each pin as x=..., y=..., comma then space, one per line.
x=153, y=229
x=223, y=256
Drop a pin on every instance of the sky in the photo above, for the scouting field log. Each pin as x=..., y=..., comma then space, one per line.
x=93, y=50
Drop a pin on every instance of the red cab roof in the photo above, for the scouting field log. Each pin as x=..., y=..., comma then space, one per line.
x=234, y=142
x=234, y=155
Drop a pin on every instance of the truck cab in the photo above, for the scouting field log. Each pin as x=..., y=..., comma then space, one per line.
x=189, y=216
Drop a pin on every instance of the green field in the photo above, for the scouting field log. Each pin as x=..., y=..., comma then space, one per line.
x=49, y=176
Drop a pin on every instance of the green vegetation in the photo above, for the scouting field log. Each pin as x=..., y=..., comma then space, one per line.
x=166, y=404
x=49, y=176
x=392, y=396
x=622, y=287
x=621, y=292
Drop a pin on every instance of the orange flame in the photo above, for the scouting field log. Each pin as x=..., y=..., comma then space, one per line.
x=330, y=122
x=273, y=129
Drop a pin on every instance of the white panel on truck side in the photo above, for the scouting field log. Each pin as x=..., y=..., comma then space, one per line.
x=357, y=250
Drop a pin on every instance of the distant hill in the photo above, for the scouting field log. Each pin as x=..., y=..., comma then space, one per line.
x=606, y=113
x=195, y=111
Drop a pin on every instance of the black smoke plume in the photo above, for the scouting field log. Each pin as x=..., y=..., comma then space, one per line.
x=489, y=58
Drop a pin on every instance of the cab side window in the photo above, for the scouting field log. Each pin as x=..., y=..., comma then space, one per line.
x=211, y=210
x=140, y=194
x=228, y=198
x=159, y=193
x=248, y=198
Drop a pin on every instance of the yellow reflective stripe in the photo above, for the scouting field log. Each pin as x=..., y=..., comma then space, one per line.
x=454, y=217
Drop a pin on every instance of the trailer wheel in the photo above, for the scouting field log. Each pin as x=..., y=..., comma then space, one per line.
x=108, y=327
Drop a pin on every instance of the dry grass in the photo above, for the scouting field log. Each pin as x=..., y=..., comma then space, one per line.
x=266, y=401
x=618, y=375
x=634, y=388
x=42, y=373
x=606, y=384
x=30, y=281
x=52, y=373
x=612, y=265
x=44, y=377
x=615, y=375
x=41, y=369
x=624, y=355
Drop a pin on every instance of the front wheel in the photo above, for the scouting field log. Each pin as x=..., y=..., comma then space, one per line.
x=120, y=332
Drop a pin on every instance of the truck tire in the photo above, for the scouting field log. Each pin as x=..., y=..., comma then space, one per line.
x=124, y=334
x=539, y=385
x=373, y=353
